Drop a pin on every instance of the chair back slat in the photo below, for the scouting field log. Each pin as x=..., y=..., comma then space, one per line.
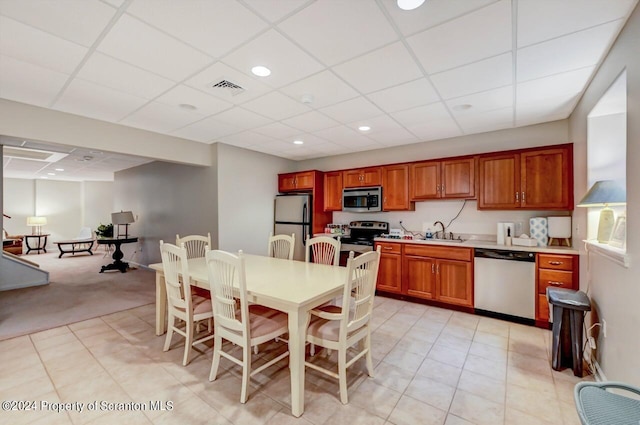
x=175, y=267
x=227, y=279
x=195, y=244
x=323, y=250
x=359, y=289
x=281, y=246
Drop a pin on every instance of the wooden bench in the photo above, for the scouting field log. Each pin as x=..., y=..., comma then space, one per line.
x=77, y=245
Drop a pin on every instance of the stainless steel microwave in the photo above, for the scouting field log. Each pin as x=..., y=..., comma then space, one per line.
x=362, y=199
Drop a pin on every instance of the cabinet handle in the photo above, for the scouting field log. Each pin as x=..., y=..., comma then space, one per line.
x=442, y=188
x=437, y=188
x=554, y=283
x=433, y=266
x=523, y=197
x=517, y=196
x=387, y=247
x=438, y=269
x=556, y=263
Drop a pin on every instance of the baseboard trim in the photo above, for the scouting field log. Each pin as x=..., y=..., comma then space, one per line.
x=598, y=372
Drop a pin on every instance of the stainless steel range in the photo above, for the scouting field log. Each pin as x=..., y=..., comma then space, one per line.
x=361, y=234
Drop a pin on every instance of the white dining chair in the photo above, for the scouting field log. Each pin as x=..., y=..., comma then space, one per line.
x=348, y=325
x=281, y=246
x=322, y=250
x=182, y=305
x=195, y=244
x=246, y=326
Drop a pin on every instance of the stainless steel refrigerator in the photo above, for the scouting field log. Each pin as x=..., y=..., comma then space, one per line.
x=293, y=215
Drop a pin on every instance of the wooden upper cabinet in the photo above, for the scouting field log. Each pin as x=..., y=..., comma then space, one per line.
x=333, y=191
x=425, y=180
x=362, y=177
x=535, y=179
x=296, y=181
x=499, y=181
x=395, y=188
x=458, y=178
x=545, y=179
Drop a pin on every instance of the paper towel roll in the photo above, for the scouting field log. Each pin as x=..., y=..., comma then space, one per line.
x=539, y=230
x=501, y=234
x=559, y=227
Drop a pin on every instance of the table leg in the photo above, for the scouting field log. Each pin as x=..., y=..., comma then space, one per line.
x=161, y=304
x=297, y=337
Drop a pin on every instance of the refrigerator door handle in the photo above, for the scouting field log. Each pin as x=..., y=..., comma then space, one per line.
x=304, y=227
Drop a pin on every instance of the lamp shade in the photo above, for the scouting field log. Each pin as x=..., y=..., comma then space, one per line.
x=122, y=217
x=36, y=221
x=604, y=192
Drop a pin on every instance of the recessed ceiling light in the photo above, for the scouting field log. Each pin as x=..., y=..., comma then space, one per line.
x=261, y=71
x=187, y=106
x=51, y=174
x=462, y=107
x=59, y=169
x=409, y=4
x=364, y=128
x=298, y=142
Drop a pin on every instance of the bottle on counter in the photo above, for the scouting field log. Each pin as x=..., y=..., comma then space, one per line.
x=507, y=240
x=428, y=234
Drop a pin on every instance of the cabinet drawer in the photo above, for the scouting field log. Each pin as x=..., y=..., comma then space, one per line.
x=389, y=248
x=449, y=253
x=557, y=262
x=555, y=278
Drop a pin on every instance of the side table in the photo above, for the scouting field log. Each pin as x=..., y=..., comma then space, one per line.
x=39, y=240
x=117, y=256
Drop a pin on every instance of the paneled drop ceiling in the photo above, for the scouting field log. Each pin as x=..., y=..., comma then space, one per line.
x=448, y=68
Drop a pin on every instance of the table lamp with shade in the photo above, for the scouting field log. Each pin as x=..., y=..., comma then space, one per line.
x=605, y=193
x=122, y=218
x=36, y=224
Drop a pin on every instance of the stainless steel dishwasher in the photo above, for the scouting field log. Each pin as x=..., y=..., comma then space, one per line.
x=505, y=283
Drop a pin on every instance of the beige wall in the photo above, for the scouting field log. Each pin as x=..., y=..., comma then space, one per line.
x=614, y=289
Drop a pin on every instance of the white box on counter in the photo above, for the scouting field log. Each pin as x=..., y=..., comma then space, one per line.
x=524, y=241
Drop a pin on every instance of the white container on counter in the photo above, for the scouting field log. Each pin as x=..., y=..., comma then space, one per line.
x=559, y=227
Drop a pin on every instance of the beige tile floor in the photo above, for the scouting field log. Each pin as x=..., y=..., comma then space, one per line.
x=432, y=366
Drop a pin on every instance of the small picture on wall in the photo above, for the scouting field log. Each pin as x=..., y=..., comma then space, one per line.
x=619, y=235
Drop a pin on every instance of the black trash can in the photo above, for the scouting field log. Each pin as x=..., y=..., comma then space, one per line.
x=568, y=316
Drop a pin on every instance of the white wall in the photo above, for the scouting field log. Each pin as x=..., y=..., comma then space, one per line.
x=247, y=185
x=97, y=201
x=19, y=203
x=614, y=289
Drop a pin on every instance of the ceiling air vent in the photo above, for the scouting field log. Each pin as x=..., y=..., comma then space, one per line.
x=229, y=87
x=32, y=154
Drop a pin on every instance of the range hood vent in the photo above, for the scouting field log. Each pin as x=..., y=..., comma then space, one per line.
x=232, y=88
x=32, y=154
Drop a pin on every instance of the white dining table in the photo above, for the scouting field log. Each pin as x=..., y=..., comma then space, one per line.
x=293, y=287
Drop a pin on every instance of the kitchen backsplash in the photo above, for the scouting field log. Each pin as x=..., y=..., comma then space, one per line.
x=469, y=222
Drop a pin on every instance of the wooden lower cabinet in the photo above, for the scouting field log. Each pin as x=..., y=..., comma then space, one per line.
x=436, y=273
x=557, y=271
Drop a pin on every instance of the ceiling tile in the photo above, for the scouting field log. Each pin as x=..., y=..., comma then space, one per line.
x=393, y=137
x=476, y=36
x=205, y=103
x=565, y=85
x=436, y=130
x=341, y=30
x=109, y=72
x=405, y=96
x=116, y=3
x=135, y=42
x=207, y=130
x=89, y=99
x=218, y=72
x=539, y=21
x=479, y=76
x=161, y=118
x=345, y=136
x=482, y=102
x=539, y=113
x=352, y=110
x=325, y=87
x=423, y=114
x=215, y=27
x=274, y=10
x=276, y=106
x=430, y=14
x=577, y=50
x=311, y=121
x=246, y=138
x=242, y=118
x=382, y=68
x=287, y=62
x=31, y=45
x=277, y=130
x=54, y=18
x=485, y=120
x=27, y=83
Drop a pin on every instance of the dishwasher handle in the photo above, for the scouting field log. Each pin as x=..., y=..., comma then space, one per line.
x=503, y=254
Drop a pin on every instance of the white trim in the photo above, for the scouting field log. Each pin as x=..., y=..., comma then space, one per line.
x=598, y=372
x=617, y=255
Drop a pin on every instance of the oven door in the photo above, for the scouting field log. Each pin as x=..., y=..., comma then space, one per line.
x=357, y=249
x=362, y=200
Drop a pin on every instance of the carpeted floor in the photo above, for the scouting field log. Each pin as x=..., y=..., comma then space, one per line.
x=77, y=292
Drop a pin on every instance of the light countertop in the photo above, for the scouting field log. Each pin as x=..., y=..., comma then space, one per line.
x=486, y=244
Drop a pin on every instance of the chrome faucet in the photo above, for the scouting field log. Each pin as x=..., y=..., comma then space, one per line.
x=444, y=235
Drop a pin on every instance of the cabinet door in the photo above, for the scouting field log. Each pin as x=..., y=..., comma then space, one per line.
x=458, y=178
x=352, y=178
x=425, y=180
x=390, y=273
x=371, y=176
x=499, y=181
x=333, y=191
x=286, y=182
x=304, y=181
x=454, y=282
x=419, y=276
x=545, y=179
x=395, y=188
